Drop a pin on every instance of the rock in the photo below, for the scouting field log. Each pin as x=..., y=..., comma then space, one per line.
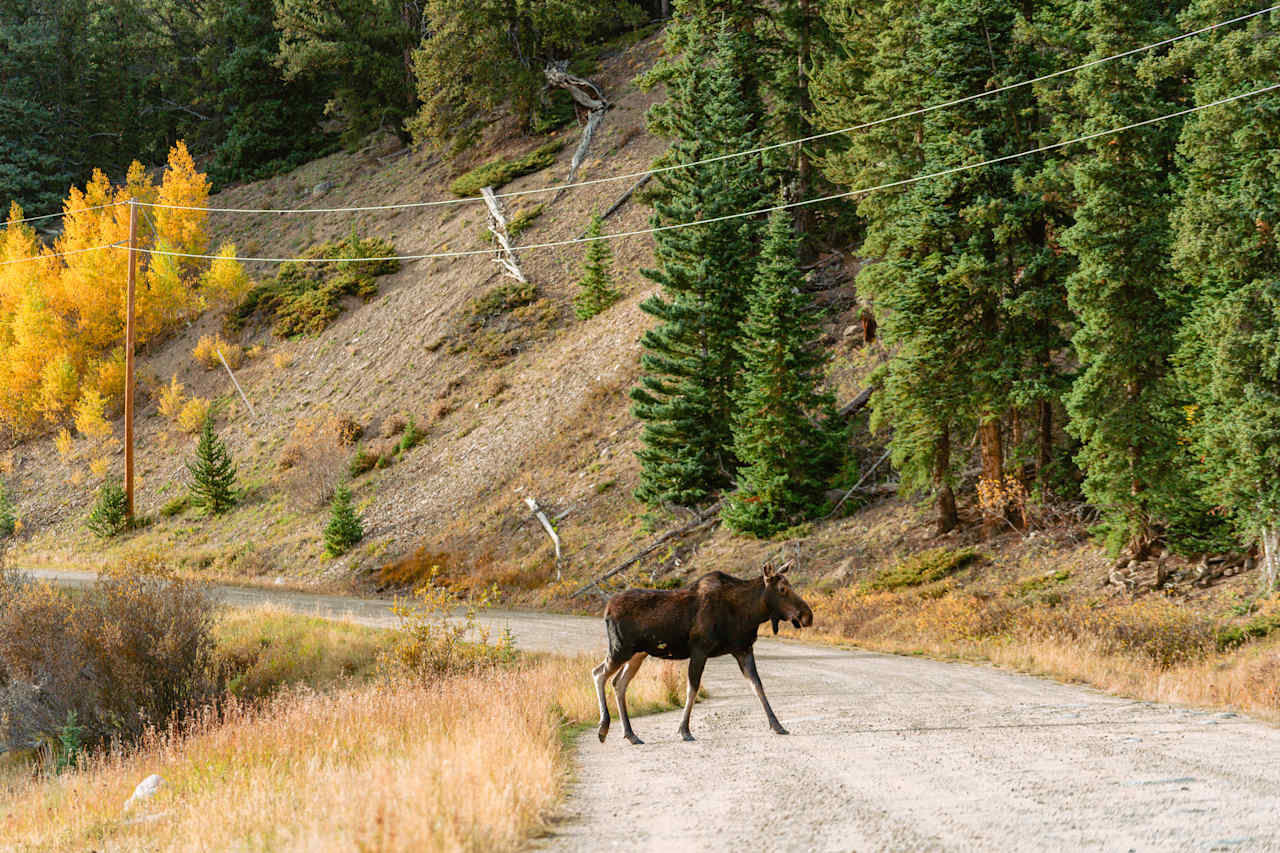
x=146, y=790
x=322, y=188
x=850, y=331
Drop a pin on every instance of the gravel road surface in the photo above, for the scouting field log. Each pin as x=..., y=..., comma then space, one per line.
x=893, y=753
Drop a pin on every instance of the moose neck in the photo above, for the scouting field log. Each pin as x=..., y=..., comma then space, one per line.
x=754, y=601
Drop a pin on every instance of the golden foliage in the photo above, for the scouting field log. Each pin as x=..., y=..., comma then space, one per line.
x=63, y=444
x=172, y=398
x=225, y=282
x=99, y=466
x=90, y=415
x=193, y=414
x=65, y=313
x=207, y=349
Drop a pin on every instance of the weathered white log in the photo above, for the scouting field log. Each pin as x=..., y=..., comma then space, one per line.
x=532, y=503
x=498, y=226
x=589, y=97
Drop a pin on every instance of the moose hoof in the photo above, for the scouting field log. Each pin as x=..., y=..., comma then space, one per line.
x=633, y=738
x=779, y=730
x=688, y=737
x=603, y=732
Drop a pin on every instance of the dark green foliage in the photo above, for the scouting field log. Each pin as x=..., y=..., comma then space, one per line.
x=70, y=744
x=410, y=438
x=304, y=298
x=690, y=364
x=1123, y=405
x=357, y=51
x=8, y=514
x=595, y=289
x=787, y=435
x=344, y=529
x=175, y=507
x=484, y=55
x=213, y=473
x=109, y=516
x=498, y=173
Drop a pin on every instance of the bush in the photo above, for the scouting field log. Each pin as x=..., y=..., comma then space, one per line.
x=175, y=507
x=498, y=173
x=431, y=641
x=109, y=516
x=132, y=652
x=194, y=414
x=313, y=460
x=172, y=398
x=207, y=349
x=344, y=529
x=924, y=567
x=305, y=297
x=410, y=438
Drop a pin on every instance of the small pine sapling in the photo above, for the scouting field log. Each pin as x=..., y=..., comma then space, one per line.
x=110, y=514
x=213, y=473
x=8, y=515
x=344, y=529
x=595, y=289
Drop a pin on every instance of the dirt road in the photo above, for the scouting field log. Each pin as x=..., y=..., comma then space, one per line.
x=894, y=753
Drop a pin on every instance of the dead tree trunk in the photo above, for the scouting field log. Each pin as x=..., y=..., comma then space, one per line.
x=587, y=96
x=498, y=226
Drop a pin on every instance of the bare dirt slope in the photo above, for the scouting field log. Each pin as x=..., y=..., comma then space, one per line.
x=898, y=753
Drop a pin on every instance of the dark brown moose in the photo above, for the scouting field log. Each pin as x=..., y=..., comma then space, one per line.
x=716, y=615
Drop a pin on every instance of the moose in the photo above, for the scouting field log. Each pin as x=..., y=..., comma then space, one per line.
x=716, y=615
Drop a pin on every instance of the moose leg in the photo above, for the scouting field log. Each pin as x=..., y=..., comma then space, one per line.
x=696, y=663
x=601, y=674
x=747, y=663
x=620, y=682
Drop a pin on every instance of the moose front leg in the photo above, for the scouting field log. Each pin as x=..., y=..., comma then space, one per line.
x=747, y=663
x=696, y=663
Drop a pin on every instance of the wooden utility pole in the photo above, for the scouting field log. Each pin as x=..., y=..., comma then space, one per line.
x=128, y=359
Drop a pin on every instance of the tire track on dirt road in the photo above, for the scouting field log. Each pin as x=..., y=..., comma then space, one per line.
x=892, y=753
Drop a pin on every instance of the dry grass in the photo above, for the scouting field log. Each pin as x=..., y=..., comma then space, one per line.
x=1152, y=647
x=472, y=762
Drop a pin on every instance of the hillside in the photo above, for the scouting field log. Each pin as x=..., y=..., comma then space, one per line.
x=549, y=418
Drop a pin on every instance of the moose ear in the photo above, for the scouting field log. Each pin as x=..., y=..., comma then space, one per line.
x=768, y=569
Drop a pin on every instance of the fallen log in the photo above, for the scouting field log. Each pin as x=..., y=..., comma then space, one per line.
x=858, y=403
x=707, y=518
x=498, y=226
x=532, y=503
x=858, y=484
x=586, y=95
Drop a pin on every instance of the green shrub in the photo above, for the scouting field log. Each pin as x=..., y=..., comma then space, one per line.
x=1233, y=636
x=410, y=438
x=305, y=297
x=8, y=515
x=176, y=507
x=498, y=173
x=110, y=513
x=523, y=220
x=344, y=529
x=924, y=567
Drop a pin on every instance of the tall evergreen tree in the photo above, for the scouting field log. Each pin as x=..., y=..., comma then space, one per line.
x=690, y=366
x=1125, y=298
x=786, y=432
x=213, y=473
x=1227, y=251
x=344, y=528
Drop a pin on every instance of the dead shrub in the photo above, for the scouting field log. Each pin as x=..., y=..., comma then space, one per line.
x=1153, y=628
x=347, y=428
x=393, y=425
x=133, y=652
x=414, y=569
x=207, y=349
x=494, y=386
x=314, y=459
x=438, y=410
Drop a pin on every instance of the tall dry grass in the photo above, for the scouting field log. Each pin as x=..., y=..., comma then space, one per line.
x=468, y=762
x=1150, y=648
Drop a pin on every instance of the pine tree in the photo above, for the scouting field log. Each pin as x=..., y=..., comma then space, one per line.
x=786, y=432
x=110, y=513
x=1126, y=300
x=8, y=516
x=690, y=365
x=344, y=528
x=213, y=473
x=595, y=289
x=1227, y=251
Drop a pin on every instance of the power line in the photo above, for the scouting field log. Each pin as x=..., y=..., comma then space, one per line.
x=721, y=157
x=63, y=213
x=747, y=213
x=59, y=254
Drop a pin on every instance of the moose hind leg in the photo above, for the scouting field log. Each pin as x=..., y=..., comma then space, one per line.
x=600, y=675
x=747, y=663
x=620, y=682
x=696, y=663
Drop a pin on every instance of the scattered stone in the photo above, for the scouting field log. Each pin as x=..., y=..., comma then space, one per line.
x=322, y=188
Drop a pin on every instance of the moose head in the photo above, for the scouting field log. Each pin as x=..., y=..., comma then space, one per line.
x=781, y=600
